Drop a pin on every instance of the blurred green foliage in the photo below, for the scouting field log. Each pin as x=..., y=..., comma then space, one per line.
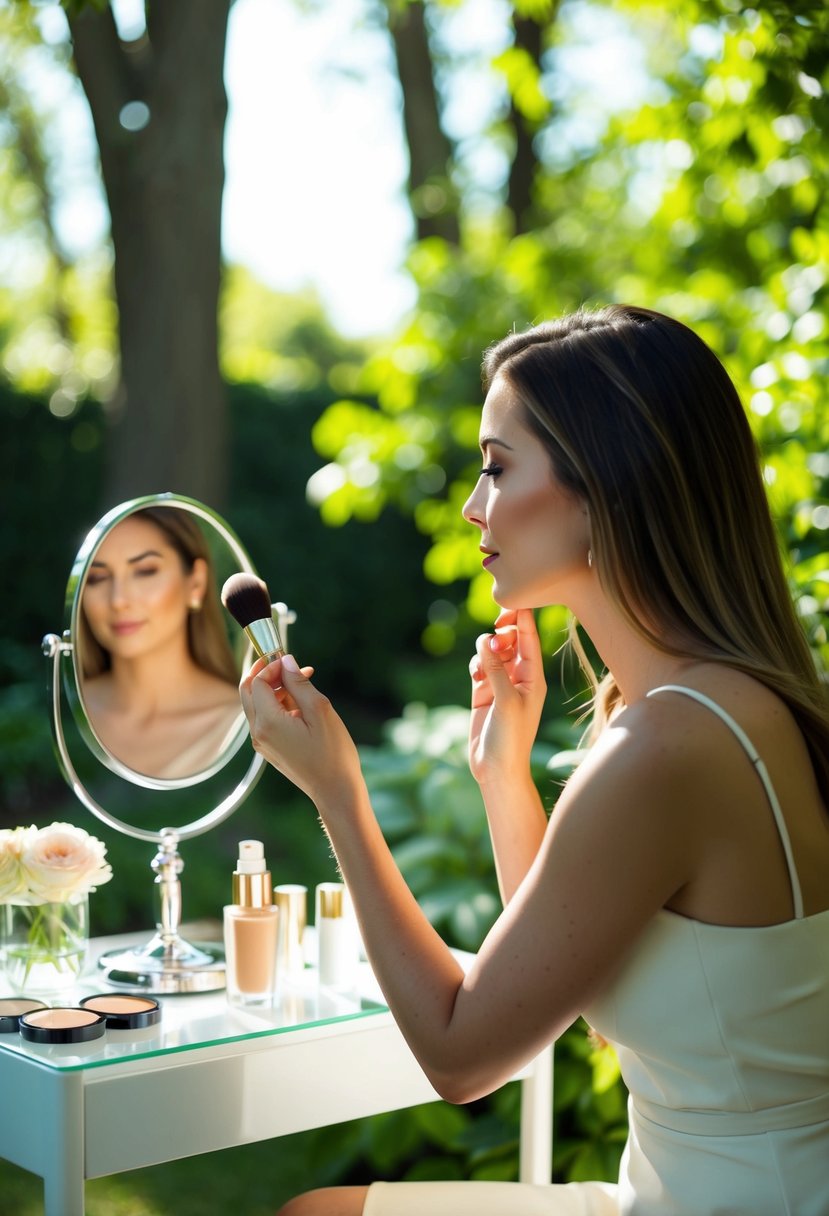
x=707, y=200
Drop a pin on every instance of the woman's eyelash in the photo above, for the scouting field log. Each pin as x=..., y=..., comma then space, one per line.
x=490, y=470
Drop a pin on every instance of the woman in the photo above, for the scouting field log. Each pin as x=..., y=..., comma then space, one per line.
x=159, y=675
x=678, y=897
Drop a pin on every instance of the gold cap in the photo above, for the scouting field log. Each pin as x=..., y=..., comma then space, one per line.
x=330, y=899
x=252, y=890
x=291, y=899
x=251, y=879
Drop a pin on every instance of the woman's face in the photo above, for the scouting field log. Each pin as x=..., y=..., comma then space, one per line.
x=535, y=533
x=137, y=593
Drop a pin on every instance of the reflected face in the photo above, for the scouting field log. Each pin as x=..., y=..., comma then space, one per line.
x=535, y=534
x=137, y=593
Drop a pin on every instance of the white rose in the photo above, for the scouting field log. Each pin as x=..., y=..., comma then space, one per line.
x=12, y=876
x=63, y=862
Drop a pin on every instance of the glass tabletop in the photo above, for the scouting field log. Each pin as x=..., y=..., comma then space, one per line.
x=196, y=1020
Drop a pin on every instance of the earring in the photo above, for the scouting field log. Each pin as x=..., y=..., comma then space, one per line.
x=195, y=605
x=590, y=558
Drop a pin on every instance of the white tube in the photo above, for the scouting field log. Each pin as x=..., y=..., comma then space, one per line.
x=337, y=937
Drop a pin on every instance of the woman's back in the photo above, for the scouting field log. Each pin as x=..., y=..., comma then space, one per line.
x=721, y=1031
x=758, y=824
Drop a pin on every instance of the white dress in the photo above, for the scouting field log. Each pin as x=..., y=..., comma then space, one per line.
x=723, y=1041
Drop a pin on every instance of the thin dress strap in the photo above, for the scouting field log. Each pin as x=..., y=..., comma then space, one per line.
x=762, y=773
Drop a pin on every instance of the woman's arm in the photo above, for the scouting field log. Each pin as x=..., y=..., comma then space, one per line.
x=610, y=858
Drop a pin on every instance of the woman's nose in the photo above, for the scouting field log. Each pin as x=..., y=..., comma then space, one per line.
x=472, y=510
x=117, y=592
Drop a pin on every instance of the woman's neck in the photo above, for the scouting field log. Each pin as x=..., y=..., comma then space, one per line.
x=156, y=680
x=636, y=664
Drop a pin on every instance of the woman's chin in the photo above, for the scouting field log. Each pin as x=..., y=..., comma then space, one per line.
x=515, y=600
x=498, y=595
x=504, y=600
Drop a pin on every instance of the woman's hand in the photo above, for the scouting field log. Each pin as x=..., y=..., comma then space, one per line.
x=508, y=690
x=298, y=731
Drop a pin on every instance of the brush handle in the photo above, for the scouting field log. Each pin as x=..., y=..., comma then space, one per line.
x=265, y=639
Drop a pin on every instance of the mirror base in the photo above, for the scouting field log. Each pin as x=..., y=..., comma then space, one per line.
x=166, y=967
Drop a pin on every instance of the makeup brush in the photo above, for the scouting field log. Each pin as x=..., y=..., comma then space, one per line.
x=247, y=600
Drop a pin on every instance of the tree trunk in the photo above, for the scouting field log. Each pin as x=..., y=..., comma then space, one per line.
x=529, y=37
x=164, y=185
x=432, y=193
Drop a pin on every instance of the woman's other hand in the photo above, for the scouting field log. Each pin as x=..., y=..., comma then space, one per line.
x=508, y=691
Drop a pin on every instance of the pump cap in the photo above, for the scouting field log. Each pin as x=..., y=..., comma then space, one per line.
x=251, y=857
x=251, y=880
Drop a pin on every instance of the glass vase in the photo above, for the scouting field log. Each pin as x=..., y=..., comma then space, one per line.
x=44, y=946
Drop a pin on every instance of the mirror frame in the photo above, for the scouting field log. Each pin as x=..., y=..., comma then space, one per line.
x=73, y=680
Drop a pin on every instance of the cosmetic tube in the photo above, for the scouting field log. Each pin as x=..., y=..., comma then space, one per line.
x=292, y=901
x=337, y=937
x=250, y=930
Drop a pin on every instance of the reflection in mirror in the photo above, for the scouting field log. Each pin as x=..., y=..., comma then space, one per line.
x=158, y=678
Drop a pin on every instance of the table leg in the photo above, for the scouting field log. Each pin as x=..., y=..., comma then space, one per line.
x=536, y=1147
x=42, y=1129
x=63, y=1131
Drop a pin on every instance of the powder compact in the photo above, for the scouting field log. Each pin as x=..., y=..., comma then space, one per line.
x=123, y=1012
x=61, y=1025
x=11, y=1008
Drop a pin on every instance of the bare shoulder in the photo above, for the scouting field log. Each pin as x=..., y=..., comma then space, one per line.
x=682, y=722
x=652, y=745
x=669, y=718
x=672, y=761
x=634, y=796
x=665, y=776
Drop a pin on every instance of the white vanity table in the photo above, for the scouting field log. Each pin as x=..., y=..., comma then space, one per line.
x=208, y=1077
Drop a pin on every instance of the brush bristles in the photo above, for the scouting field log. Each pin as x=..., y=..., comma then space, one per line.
x=246, y=598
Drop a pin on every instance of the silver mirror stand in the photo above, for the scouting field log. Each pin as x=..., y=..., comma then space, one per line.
x=167, y=963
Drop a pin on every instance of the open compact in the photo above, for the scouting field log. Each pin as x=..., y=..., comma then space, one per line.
x=123, y=1012
x=11, y=1009
x=61, y=1025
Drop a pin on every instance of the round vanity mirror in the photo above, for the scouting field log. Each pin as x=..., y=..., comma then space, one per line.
x=156, y=661
x=150, y=663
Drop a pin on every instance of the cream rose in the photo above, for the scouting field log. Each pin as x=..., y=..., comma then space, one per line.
x=12, y=876
x=61, y=863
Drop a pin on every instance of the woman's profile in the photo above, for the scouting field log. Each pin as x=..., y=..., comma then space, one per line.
x=160, y=679
x=678, y=895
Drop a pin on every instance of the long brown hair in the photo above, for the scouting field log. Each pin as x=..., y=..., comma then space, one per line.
x=643, y=423
x=207, y=640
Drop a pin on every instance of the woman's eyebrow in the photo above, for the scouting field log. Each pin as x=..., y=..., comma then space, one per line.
x=132, y=560
x=493, y=441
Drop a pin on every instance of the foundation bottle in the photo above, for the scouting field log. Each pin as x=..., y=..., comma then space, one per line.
x=250, y=930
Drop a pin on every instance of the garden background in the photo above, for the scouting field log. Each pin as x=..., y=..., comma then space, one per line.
x=151, y=363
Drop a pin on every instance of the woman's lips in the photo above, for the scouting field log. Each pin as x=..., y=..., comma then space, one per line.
x=123, y=628
x=488, y=560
